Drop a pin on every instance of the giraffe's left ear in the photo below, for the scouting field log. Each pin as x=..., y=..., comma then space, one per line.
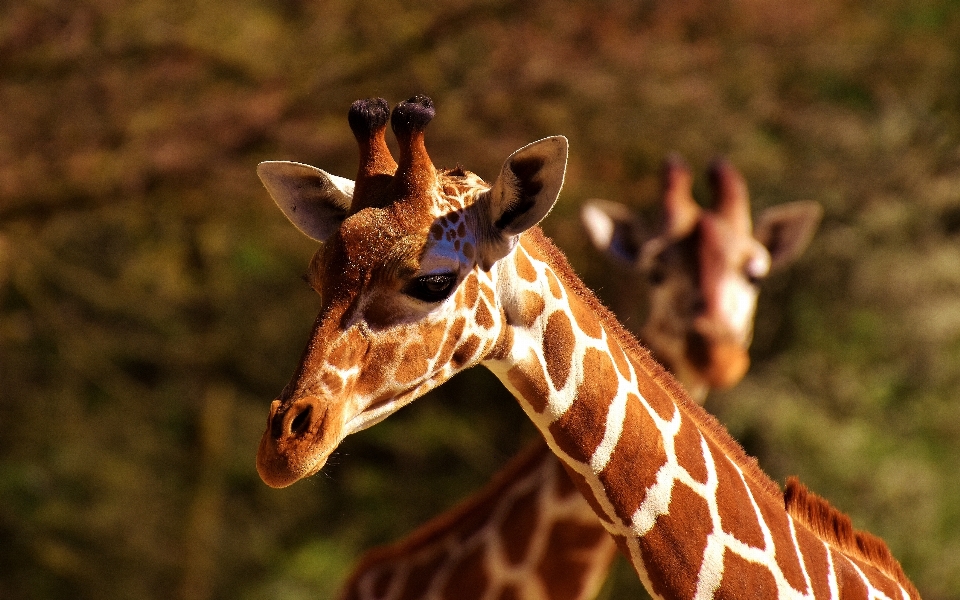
x=786, y=230
x=315, y=201
x=523, y=194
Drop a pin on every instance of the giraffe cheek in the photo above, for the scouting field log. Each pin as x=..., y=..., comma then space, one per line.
x=414, y=364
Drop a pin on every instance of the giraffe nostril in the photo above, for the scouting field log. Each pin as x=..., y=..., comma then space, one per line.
x=301, y=421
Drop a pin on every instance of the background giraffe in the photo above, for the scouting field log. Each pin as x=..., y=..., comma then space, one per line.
x=691, y=261
x=430, y=272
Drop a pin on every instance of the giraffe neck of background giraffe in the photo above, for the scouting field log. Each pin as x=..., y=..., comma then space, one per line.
x=527, y=535
x=678, y=494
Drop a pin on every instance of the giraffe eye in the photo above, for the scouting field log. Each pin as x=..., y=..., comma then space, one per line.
x=431, y=288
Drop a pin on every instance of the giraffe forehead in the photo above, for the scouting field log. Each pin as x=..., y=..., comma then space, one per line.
x=374, y=239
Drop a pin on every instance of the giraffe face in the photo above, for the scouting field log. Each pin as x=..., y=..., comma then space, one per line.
x=703, y=297
x=703, y=267
x=406, y=279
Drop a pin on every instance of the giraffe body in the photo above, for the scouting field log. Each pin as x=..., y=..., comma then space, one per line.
x=570, y=567
x=431, y=272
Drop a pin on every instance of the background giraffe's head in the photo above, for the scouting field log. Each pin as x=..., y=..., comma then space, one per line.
x=703, y=267
x=405, y=275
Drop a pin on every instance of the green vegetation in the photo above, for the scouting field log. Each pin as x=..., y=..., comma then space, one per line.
x=151, y=305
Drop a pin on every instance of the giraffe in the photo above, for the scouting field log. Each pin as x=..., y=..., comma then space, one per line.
x=561, y=552
x=423, y=273
x=703, y=268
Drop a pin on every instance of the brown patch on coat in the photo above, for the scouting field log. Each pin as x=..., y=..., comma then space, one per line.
x=524, y=267
x=558, y=346
x=570, y=555
x=345, y=350
x=483, y=318
x=677, y=538
x=634, y=463
x=470, y=290
x=586, y=320
x=579, y=431
x=814, y=555
x=452, y=341
x=531, y=307
x=469, y=579
x=745, y=579
x=461, y=522
x=509, y=593
x=689, y=452
x=527, y=377
x=737, y=516
x=414, y=364
x=332, y=381
x=518, y=526
x=433, y=337
x=377, y=368
x=465, y=351
x=421, y=575
x=786, y=555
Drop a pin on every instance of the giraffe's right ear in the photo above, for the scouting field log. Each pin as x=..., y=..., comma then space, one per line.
x=523, y=194
x=314, y=201
x=613, y=229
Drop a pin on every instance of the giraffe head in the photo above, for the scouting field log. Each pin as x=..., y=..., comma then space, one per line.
x=703, y=267
x=405, y=273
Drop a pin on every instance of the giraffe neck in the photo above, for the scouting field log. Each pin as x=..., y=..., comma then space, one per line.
x=678, y=494
x=527, y=535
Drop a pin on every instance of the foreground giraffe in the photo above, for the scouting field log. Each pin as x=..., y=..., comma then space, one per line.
x=703, y=267
x=424, y=273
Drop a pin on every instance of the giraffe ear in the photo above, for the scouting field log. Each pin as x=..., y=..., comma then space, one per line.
x=613, y=229
x=524, y=192
x=786, y=230
x=314, y=201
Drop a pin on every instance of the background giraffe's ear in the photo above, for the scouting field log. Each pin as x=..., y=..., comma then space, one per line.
x=613, y=229
x=524, y=192
x=786, y=230
x=314, y=201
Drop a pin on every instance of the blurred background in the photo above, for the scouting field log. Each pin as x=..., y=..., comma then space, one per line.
x=151, y=304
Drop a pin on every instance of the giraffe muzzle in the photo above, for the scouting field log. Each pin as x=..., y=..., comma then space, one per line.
x=721, y=363
x=292, y=446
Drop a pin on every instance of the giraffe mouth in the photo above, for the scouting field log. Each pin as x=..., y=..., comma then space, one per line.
x=381, y=408
x=373, y=414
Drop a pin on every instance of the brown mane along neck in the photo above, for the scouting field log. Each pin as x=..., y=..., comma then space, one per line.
x=836, y=529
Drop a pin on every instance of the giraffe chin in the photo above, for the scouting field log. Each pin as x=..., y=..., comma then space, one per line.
x=297, y=441
x=280, y=469
x=726, y=365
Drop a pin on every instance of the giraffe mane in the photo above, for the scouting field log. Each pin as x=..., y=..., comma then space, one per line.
x=707, y=423
x=836, y=529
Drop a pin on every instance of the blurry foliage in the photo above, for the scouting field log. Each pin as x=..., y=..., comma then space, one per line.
x=151, y=306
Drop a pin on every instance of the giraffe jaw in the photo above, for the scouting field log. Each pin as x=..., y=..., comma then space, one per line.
x=381, y=409
x=372, y=415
